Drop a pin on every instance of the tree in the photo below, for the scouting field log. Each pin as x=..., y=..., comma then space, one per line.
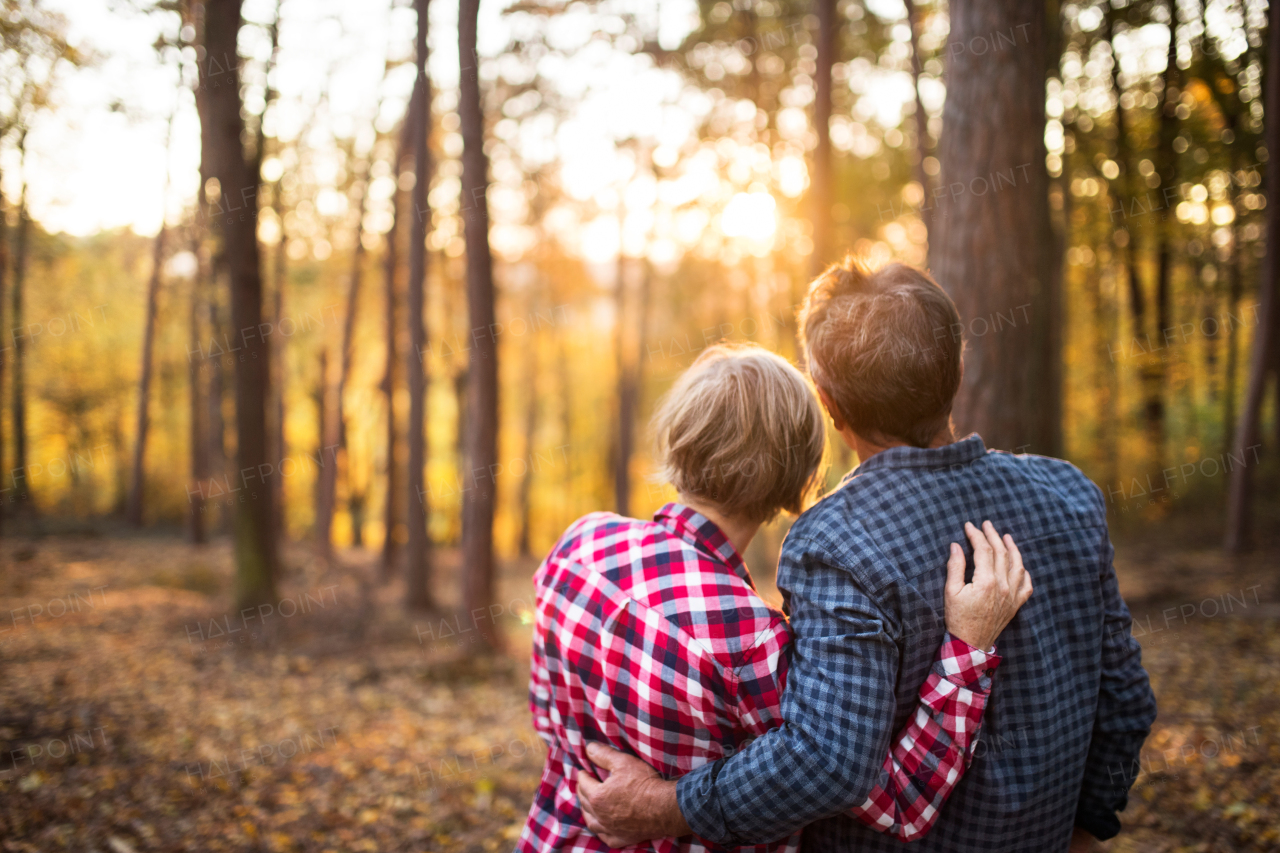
x=19, y=390
x=482, y=425
x=134, y=510
x=922, y=119
x=821, y=190
x=418, y=564
x=255, y=544
x=1267, y=335
x=993, y=236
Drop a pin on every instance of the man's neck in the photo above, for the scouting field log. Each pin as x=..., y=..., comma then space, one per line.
x=866, y=448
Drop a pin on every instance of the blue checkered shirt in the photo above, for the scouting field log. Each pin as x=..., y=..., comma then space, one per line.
x=862, y=575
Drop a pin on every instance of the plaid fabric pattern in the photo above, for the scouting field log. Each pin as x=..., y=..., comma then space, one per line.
x=1063, y=727
x=649, y=637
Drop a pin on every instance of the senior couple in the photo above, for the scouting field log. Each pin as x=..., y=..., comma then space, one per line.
x=911, y=690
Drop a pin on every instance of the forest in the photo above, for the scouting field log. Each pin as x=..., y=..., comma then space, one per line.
x=322, y=320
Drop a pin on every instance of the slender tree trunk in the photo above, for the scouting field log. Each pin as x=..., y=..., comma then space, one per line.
x=626, y=398
x=255, y=544
x=279, y=371
x=530, y=428
x=922, y=121
x=1137, y=303
x=134, y=510
x=992, y=251
x=195, y=372
x=391, y=518
x=821, y=191
x=4, y=269
x=19, y=391
x=418, y=559
x=1155, y=372
x=348, y=351
x=330, y=438
x=482, y=433
x=1240, y=498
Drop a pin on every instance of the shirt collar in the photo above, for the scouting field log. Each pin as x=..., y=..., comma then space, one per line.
x=704, y=534
x=960, y=452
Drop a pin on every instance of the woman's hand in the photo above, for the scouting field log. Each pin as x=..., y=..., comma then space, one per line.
x=977, y=612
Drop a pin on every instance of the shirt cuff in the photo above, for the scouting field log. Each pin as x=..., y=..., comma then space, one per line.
x=965, y=666
x=699, y=804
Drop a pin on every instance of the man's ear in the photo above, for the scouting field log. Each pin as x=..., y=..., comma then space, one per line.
x=836, y=419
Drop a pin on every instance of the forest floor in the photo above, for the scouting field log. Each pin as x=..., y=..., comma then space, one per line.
x=132, y=718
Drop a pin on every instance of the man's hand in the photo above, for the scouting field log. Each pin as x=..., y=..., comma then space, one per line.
x=633, y=803
x=977, y=612
x=1082, y=842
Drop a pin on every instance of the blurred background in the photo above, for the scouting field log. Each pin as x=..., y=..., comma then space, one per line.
x=323, y=319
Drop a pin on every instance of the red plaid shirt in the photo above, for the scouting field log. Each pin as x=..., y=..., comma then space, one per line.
x=650, y=637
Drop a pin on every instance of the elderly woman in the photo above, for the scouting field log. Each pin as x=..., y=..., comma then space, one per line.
x=650, y=636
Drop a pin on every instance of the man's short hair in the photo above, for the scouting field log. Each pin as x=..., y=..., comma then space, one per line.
x=881, y=345
x=742, y=430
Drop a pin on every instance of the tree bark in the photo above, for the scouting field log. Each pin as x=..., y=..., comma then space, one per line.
x=4, y=269
x=255, y=544
x=482, y=432
x=330, y=427
x=993, y=240
x=418, y=558
x=1155, y=374
x=1240, y=497
x=348, y=350
x=821, y=191
x=922, y=124
x=134, y=510
x=391, y=514
x=22, y=487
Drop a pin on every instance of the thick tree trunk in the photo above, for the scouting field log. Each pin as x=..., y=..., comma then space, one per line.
x=922, y=122
x=133, y=513
x=821, y=191
x=993, y=242
x=418, y=559
x=255, y=544
x=1267, y=334
x=482, y=432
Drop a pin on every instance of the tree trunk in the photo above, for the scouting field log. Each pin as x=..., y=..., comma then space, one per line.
x=626, y=398
x=922, y=124
x=195, y=371
x=1240, y=498
x=993, y=242
x=418, y=559
x=278, y=371
x=391, y=516
x=348, y=352
x=255, y=544
x=530, y=428
x=1155, y=374
x=22, y=486
x=1137, y=303
x=326, y=482
x=134, y=511
x=482, y=432
x=821, y=191
x=4, y=269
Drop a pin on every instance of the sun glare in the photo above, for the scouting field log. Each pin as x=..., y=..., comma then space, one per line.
x=752, y=216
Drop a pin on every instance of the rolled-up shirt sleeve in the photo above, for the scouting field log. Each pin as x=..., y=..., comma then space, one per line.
x=838, y=710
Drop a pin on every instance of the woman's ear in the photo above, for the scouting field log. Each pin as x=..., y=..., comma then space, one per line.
x=836, y=420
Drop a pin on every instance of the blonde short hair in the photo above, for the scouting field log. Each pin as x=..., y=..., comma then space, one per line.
x=742, y=430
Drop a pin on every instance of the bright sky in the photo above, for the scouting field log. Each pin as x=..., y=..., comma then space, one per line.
x=98, y=161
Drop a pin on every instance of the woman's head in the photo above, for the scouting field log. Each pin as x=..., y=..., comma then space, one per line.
x=742, y=430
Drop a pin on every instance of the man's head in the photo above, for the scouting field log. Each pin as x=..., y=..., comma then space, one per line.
x=880, y=348
x=741, y=430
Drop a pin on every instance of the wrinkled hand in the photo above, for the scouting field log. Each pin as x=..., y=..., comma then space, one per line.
x=978, y=611
x=633, y=803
